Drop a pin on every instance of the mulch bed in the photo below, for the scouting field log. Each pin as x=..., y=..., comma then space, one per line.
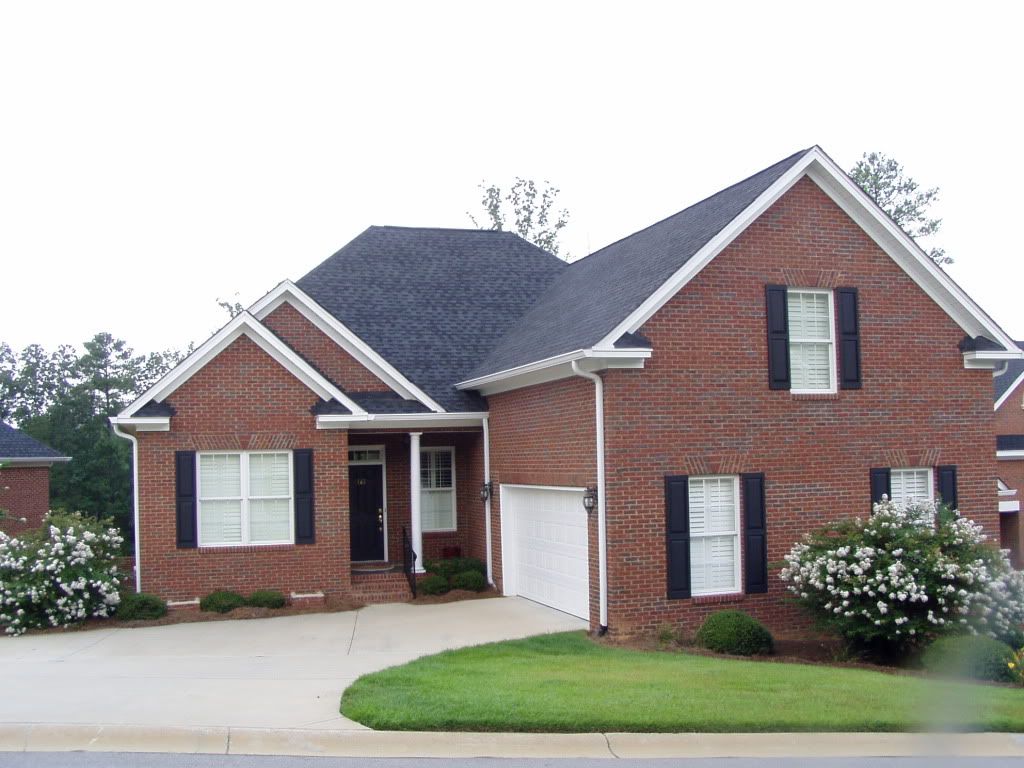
x=454, y=596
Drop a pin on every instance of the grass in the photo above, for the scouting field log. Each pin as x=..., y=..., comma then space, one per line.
x=568, y=683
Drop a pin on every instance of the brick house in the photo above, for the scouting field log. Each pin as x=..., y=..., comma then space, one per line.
x=1008, y=391
x=635, y=438
x=24, y=480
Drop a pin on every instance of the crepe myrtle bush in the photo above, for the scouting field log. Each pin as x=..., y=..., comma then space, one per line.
x=61, y=574
x=909, y=573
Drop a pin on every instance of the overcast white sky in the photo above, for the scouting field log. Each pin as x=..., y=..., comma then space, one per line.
x=154, y=157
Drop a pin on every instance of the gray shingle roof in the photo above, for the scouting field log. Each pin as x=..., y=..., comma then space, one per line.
x=587, y=300
x=433, y=302
x=1001, y=383
x=15, y=444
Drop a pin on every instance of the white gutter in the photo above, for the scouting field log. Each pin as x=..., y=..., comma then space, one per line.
x=601, y=353
x=602, y=536
x=135, y=499
x=487, y=503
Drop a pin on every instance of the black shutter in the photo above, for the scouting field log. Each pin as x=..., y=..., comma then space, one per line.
x=947, y=485
x=881, y=484
x=677, y=534
x=185, y=493
x=756, y=540
x=302, y=461
x=778, y=336
x=849, y=338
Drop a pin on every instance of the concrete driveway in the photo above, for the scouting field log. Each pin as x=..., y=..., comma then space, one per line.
x=285, y=672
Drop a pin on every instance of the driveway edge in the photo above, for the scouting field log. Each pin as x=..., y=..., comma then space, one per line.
x=35, y=737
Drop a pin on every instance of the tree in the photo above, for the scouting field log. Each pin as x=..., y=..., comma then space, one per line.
x=233, y=308
x=531, y=211
x=899, y=195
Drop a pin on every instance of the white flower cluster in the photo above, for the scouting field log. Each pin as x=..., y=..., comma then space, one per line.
x=67, y=574
x=905, y=573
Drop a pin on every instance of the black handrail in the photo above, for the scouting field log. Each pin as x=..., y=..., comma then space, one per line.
x=409, y=561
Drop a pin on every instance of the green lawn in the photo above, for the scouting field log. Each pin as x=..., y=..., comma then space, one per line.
x=568, y=683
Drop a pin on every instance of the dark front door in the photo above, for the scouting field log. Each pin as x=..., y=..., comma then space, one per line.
x=366, y=500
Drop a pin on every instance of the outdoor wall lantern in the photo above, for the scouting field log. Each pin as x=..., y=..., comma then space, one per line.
x=485, y=491
x=590, y=499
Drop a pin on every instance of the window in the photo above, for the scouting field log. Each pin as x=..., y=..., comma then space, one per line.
x=245, y=498
x=812, y=358
x=437, y=489
x=714, y=535
x=365, y=455
x=910, y=485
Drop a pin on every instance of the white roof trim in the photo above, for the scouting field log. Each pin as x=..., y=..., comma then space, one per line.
x=1006, y=395
x=400, y=420
x=143, y=423
x=341, y=335
x=13, y=461
x=247, y=325
x=620, y=353
x=866, y=213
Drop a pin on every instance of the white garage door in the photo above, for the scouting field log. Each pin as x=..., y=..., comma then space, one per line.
x=545, y=549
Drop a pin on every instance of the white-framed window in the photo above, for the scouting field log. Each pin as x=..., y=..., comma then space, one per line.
x=914, y=484
x=245, y=498
x=714, y=535
x=366, y=455
x=437, y=489
x=812, y=340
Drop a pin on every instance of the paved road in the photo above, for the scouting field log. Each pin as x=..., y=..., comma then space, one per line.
x=285, y=672
x=120, y=760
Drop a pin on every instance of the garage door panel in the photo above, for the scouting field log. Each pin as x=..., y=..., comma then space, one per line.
x=549, y=542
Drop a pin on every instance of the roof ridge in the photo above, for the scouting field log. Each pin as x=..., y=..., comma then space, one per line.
x=444, y=229
x=693, y=205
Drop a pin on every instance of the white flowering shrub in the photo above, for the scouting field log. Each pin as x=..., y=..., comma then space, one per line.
x=64, y=573
x=905, y=575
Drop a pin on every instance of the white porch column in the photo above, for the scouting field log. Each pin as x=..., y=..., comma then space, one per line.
x=414, y=498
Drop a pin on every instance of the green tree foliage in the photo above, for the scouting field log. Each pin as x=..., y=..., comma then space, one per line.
x=64, y=399
x=899, y=195
x=527, y=210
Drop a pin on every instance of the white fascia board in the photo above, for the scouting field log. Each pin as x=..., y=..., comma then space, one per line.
x=242, y=324
x=1006, y=395
x=1009, y=506
x=143, y=423
x=400, y=420
x=32, y=461
x=989, y=360
x=602, y=357
x=866, y=213
x=341, y=335
x=1010, y=454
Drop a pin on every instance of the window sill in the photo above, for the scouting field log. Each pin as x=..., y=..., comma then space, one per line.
x=241, y=548
x=729, y=597
x=441, y=530
x=814, y=395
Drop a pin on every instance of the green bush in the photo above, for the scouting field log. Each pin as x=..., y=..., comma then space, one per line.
x=221, y=601
x=433, y=584
x=973, y=656
x=266, y=598
x=734, y=632
x=140, y=606
x=455, y=565
x=471, y=580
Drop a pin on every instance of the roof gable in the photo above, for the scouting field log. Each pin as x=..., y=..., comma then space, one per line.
x=1007, y=382
x=17, y=447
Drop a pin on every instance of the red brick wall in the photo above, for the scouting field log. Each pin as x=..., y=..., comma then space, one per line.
x=24, y=493
x=702, y=406
x=1009, y=420
x=333, y=361
x=243, y=399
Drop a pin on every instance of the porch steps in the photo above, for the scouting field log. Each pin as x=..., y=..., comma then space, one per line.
x=380, y=586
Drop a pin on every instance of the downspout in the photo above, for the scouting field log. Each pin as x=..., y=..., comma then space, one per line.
x=487, y=502
x=602, y=535
x=135, y=500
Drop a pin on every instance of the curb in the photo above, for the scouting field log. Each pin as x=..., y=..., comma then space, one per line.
x=36, y=737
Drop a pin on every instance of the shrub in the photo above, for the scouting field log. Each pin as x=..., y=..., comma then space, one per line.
x=734, y=632
x=433, y=584
x=455, y=565
x=975, y=656
x=471, y=580
x=221, y=601
x=266, y=598
x=136, y=606
x=905, y=575
x=63, y=573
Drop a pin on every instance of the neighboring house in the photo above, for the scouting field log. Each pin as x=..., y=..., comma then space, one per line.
x=636, y=438
x=24, y=480
x=1008, y=389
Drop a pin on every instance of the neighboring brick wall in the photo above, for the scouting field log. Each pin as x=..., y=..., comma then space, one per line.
x=1009, y=420
x=702, y=405
x=243, y=399
x=333, y=361
x=24, y=493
